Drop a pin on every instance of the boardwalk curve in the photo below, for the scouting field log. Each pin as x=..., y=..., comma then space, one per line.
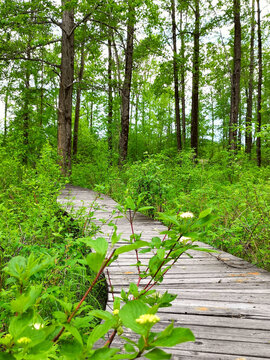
x=224, y=300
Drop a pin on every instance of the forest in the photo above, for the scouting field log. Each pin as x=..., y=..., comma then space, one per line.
x=163, y=105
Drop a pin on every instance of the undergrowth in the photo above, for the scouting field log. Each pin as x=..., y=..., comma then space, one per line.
x=235, y=189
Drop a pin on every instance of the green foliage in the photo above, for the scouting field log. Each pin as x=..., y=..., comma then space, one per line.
x=41, y=318
x=235, y=190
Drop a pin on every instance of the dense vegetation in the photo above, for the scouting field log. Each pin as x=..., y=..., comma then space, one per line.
x=164, y=103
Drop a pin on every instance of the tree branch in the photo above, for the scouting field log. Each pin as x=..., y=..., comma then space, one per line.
x=32, y=59
x=85, y=18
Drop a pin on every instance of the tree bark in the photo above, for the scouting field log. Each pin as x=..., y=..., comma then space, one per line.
x=259, y=106
x=5, y=115
x=26, y=112
x=65, y=91
x=235, y=89
x=182, y=70
x=248, y=132
x=195, y=81
x=176, y=79
x=110, y=99
x=78, y=103
x=125, y=101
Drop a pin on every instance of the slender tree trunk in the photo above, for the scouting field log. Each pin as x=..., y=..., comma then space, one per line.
x=26, y=112
x=248, y=132
x=235, y=91
x=125, y=106
x=91, y=117
x=259, y=106
x=5, y=116
x=239, y=134
x=41, y=93
x=65, y=91
x=78, y=103
x=213, y=119
x=136, y=123
x=110, y=99
x=182, y=70
x=176, y=79
x=195, y=81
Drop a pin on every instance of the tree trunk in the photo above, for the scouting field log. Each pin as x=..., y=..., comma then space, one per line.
x=5, y=116
x=91, y=117
x=259, y=106
x=182, y=69
x=26, y=112
x=195, y=81
x=239, y=134
x=65, y=91
x=78, y=103
x=248, y=132
x=235, y=90
x=125, y=105
x=176, y=80
x=110, y=100
x=136, y=123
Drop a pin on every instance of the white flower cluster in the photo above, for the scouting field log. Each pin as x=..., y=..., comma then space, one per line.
x=147, y=318
x=187, y=215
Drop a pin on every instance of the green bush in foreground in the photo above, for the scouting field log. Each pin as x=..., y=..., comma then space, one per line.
x=65, y=333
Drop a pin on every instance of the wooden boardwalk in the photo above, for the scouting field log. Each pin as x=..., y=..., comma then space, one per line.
x=224, y=300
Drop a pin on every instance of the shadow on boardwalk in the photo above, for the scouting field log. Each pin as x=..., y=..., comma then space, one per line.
x=224, y=300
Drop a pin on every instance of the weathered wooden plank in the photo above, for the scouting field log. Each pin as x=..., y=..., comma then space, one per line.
x=223, y=299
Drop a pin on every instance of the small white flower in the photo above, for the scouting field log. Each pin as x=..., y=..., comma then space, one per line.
x=186, y=215
x=185, y=238
x=38, y=326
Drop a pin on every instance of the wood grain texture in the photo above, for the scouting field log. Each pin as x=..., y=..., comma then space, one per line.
x=224, y=300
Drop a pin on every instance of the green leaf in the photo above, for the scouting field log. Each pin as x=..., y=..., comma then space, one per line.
x=129, y=348
x=116, y=303
x=70, y=349
x=167, y=331
x=204, y=213
x=99, y=331
x=74, y=332
x=156, y=242
x=119, y=208
x=124, y=356
x=132, y=311
x=104, y=354
x=157, y=354
x=60, y=316
x=177, y=336
x=127, y=248
x=161, y=253
x=16, y=266
x=100, y=245
x=25, y=301
x=166, y=299
x=101, y=314
x=169, y=219
x=95, y=261
x=19, y=323
x=206, y=220
x=133, y=288
x=130, y=204
x=115, y=238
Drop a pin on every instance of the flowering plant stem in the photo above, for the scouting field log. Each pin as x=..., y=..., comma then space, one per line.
x=105, y=263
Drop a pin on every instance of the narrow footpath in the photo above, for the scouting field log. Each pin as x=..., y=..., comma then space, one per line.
x=223, y=299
